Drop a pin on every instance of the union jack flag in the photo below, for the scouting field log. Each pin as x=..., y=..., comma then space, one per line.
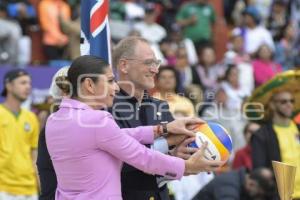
x=95, y=31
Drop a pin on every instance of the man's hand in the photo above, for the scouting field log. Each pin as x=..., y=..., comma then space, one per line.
x=175, y=139
x=182, y=126
x=183, y=151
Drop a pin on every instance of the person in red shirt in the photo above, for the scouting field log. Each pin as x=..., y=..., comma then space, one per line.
x=243, y=156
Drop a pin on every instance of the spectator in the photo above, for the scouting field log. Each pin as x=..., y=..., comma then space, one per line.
x=264, y=68
x=72, y=29
x=278, y=19
x=228, y=10
x=170, y=9
x=209, y=72
x=234, y=91
x=245, y=69
x=254, y=34
x=25, y=14
x=243, y=157
x=237, y=12
x=148, y=28
x=239, y=185
x=286, y=51
x=54, y=40
x=19, y=136
x=278, y=138
x=263, y=7
x=10, y=35
x=180, y=106
x=180, y=42
x=236, y=44
x=196, y=19
x=187, y=74
x=169, y=49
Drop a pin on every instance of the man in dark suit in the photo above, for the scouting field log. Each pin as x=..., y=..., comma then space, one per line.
x=137, y=66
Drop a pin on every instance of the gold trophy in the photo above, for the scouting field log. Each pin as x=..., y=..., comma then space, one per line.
x=285, y=178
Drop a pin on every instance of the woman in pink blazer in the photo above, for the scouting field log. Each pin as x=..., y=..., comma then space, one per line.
x=87, y=147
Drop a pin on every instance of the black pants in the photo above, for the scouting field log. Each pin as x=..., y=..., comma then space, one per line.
x=162, y=194
x=54, y=52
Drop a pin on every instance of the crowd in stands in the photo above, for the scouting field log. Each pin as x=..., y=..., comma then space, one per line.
x=262, y=39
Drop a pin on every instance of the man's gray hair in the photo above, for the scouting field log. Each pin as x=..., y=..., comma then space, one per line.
x=125, y=48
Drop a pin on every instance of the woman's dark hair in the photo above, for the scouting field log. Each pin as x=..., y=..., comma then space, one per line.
x=172, y=69
x=201, y=51
x=256, y=54
x=246, y=128
x=230, y=67
x=85, y=67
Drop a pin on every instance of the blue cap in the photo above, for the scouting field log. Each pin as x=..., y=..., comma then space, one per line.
x=253, y=12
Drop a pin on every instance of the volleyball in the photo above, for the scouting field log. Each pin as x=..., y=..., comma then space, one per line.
x=219, y=141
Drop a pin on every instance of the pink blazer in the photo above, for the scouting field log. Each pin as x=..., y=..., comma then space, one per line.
x=88, y=148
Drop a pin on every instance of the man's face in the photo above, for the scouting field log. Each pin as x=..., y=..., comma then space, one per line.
x=248, y=20
x=20, y=88
x=283, y=104
x=143, y=66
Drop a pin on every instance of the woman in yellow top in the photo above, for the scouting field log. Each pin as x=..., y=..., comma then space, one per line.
x=180, y=106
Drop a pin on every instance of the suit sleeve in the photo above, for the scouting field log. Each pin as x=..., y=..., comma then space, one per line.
x=259, y=153
x=111, y=138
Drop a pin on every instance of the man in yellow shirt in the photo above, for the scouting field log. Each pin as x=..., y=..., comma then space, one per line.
x=18, y=140
x=279, y=139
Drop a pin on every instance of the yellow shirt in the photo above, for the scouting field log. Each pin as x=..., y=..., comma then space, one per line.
x=289, y=145
x=18, y=137
x=179, y=105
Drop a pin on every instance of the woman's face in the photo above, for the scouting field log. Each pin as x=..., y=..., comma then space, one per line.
x=208, y=56
x=182, y=60
x=238, y=43
x=105, y=88
x=265, y=53
x=233, y=76
x=290, y=32
x=167, y=81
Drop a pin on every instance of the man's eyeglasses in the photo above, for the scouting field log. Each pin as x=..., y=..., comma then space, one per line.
x=151, y=63
x=285, y=101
